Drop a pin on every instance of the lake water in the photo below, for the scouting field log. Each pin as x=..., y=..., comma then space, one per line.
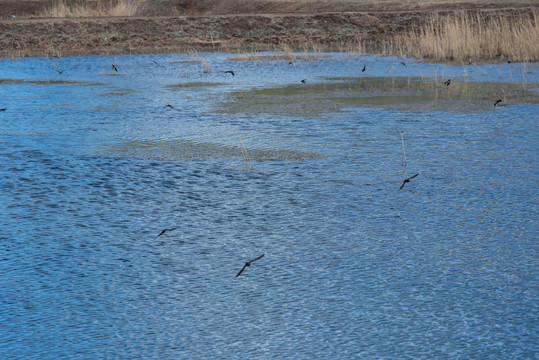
x=93, y=167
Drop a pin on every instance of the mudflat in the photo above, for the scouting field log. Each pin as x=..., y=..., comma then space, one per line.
x=231, y=25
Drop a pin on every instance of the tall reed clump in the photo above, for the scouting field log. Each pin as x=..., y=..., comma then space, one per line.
x=97, y=8
x=474, y=36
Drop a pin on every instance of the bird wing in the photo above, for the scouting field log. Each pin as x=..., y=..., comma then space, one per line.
x=243, y=268
x=258, y=258
x=411, y=177
x=404, y=182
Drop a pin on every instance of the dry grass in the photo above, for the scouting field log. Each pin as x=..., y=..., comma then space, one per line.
x=207, y=68
x=97, y=8
x=466, y=37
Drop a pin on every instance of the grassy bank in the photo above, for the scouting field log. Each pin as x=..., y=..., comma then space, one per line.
x=504, y=31
x=97, y=8
x=473, y=36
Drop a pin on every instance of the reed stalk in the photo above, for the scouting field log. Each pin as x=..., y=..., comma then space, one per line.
x=471, y=36
x=206, y=67
x=245, y=156
x=403, y=151
x=98, y=8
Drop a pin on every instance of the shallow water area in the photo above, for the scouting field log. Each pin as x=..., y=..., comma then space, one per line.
x=95, y=164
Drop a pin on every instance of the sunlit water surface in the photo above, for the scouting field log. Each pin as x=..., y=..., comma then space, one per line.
x=93, y=166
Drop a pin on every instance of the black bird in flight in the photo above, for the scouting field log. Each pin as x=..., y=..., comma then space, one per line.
x=447, y=83
x=403, y=63
x=3, y=109
x=114, y=67
x=497, y=102
x=165, y=231
x=60, y=71
x=170, y=106
x=364, y=67
x=304, y=81
x=248, y=263
x=229, y=72
x=407, y=181
x=290, y=63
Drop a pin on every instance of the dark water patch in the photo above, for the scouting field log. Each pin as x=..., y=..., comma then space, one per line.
x=176, y=150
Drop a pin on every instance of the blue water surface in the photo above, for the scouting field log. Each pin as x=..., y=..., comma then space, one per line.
x=354, y=268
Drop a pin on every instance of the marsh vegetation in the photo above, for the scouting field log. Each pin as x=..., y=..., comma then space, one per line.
x=469, y=36
x=434, y=30
x=97, y=8
x=336, y=94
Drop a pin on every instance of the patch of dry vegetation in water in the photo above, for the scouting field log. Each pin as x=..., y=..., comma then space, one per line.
x=473, y=36
x=193, y=85
x=175, y=150
x=97, y=8
x=288, y=57
x=315, y=100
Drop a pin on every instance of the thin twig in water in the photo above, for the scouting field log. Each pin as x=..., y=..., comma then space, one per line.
x=206, y=67
x=403, y=152
x=245, y=156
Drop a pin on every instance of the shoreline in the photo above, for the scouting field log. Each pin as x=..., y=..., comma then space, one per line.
x=356, y=32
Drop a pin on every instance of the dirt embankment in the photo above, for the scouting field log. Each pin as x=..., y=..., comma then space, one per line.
x=233, y=25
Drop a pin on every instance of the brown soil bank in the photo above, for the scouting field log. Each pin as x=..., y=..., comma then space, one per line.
x=164, y=26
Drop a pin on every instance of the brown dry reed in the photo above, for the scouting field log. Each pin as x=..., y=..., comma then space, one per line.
x=97, y=8
x=468, y=36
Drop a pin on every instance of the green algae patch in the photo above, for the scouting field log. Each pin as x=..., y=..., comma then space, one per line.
x=337, y=94
x=181, y=150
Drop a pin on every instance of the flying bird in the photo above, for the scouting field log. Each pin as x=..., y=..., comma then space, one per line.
x=403, y=63
x=407, y=181
x=3, y=109
x=114, y=67
x=290, y=63
x=229, y=72
x=169, y=106
x=447, y=83
x=165, y=231
x=364, y=67
x=497, y=102
x=60, y=71
x=304, y=81
x=248, y=263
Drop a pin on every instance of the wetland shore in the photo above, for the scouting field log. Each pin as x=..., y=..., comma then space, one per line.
x=233, y=26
